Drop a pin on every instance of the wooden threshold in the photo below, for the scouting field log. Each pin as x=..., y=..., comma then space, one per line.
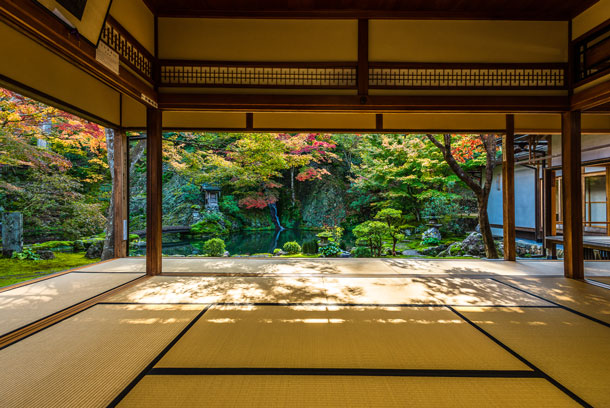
x=32, y=328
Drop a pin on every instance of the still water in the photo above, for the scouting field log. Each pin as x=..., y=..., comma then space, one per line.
x=240, y=243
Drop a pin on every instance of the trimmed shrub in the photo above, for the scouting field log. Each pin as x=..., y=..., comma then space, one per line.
x=214, y=247
x=329, y=251
x=276, y=251
x=361, y=252
x=292, y=248
x=310, y=247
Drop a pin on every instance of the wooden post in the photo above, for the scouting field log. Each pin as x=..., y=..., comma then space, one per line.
x=363, y=57
x=119, y=196
x=548, y=211
x=607, y=200
x=573, y=262
x=154, y=173
x=508, y=189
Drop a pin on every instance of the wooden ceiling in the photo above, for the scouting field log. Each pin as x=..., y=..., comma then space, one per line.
x=393, y=9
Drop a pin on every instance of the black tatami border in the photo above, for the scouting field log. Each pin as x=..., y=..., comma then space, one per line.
x=547, y=377
x=569, y=309
x=350, y=372
x=151, y=365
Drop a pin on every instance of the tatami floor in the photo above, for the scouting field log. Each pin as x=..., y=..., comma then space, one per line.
x=308, y=333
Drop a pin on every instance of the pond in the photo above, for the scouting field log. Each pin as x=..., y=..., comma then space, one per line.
x=239, y=243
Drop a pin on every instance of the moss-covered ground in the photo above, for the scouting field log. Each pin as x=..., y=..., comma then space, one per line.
x=14, y=271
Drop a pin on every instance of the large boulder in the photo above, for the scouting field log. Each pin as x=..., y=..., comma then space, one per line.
x=431, y=232
x=95, y=250
x=473, y=245
x=45, y=255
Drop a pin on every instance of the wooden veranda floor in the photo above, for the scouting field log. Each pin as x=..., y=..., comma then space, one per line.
x=308, y=332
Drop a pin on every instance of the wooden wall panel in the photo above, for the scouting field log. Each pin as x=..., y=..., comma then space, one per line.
x=135, y=16
x=591, y=17
x=468, y=41
x=32, y=65
x=258, y=39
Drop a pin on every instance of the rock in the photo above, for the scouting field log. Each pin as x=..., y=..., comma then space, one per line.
x=525, y=249
x=345, y=254
x=433, y=251
x=12, y=233
x=226, y=253
x=78, y=246
x=95, y=250
x=473, y=244
x=431, y=232
x=410, y=252
x=45, y=255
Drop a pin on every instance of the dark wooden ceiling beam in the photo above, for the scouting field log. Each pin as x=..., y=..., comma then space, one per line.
x=483, y=103
x=373, y=9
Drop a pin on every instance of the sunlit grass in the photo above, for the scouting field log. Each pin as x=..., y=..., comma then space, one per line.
x=14, y=271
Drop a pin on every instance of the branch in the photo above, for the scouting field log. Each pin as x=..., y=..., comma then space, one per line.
x=453, y=164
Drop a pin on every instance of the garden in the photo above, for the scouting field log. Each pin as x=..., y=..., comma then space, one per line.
x=240, y=194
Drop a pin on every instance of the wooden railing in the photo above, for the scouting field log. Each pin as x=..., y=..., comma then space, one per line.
x=592, y=55
x=344, y=75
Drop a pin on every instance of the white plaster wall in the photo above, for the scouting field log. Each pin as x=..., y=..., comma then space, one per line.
x=525, y=198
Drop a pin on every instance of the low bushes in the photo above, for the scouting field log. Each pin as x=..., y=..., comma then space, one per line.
x=310, y=247
x=292, y=248
x=329, y=250
x=214, y=247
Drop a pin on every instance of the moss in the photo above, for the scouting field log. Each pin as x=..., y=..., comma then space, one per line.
x=52, y=244
x=14, y=271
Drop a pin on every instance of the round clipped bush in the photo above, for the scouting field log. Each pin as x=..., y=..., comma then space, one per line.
x=310, y=247
x=292, y=247
x=214, y=247
x=361, y=252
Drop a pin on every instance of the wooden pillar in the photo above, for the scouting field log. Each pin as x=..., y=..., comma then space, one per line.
x=154, y=173
x=573, y=263
x=120, y=193
x=607, y=200
x=548, y=217
x=363, y=58
x=508, y=189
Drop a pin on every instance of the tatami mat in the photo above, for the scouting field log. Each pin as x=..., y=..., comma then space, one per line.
x=32, y=302
x=583, y=297
x=313, y=391
x=571, y=349
x=171, y=289
x=424, y=290
x=86, y=360
x=342, y=337
x=602, y=279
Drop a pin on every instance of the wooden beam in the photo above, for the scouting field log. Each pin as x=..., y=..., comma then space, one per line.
x=573, y=262
x=379, y=121
x=374, y=103
x=508, y=189
x=119, y=196
x=363, y=57
x=154, y=173
x=44, y=28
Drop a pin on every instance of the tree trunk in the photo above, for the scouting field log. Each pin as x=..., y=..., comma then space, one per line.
x=488, y=240
x=292, y=185
x=108, y=251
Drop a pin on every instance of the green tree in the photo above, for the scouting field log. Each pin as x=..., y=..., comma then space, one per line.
x=394, y=220
x=371, y=233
